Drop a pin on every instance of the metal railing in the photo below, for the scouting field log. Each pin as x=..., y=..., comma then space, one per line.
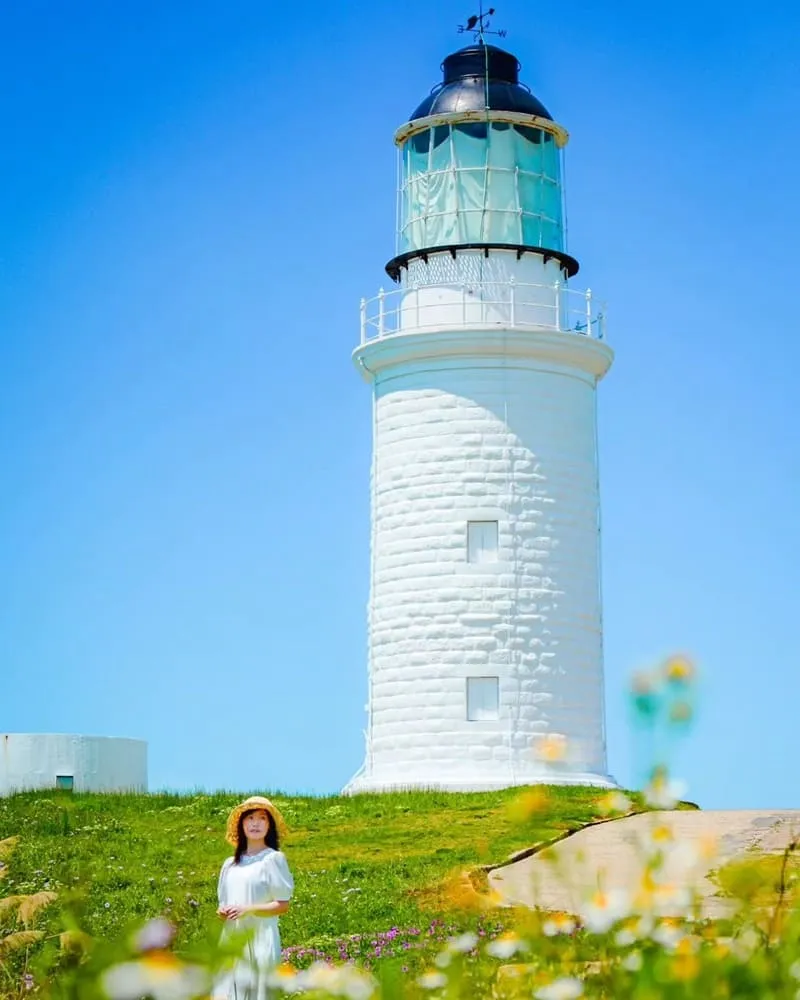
x=482, y=304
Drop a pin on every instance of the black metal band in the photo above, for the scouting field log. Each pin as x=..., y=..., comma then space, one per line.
x=396, y=264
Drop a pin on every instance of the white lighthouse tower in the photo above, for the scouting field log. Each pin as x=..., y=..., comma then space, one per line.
x=485, y=624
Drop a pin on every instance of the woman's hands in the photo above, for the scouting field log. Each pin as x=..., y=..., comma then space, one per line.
x=273, y=909
x=232, y=912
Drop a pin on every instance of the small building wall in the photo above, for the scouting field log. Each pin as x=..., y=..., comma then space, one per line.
x=82, y=763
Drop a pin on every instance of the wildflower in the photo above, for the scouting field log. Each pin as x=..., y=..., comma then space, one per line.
x=679, y=670
x=565, y=988
x=661, y=834
x=530, y=802
x=342, y=980
x=432, y=980
x=794, y=969
x=154, y=936
x=157, y=974
x=614, y=802
x=463, y=943
x=558, y=923
x=663, y=792
x=506, y=945
x=671, y=900
x=680, y=712
x=686, y=964
x=550, y=748
x=743, y=946
x=632, y=962
x=646, y=699
x=603, y=909
x=668, y=934
x=283, y=977
x=443, y=959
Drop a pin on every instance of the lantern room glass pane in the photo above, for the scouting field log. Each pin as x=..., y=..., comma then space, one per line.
x=481, y=183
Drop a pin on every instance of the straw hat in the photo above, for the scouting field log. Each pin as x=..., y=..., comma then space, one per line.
x=254, y=802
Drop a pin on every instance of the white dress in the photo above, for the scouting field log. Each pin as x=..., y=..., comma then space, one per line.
x=262, y=878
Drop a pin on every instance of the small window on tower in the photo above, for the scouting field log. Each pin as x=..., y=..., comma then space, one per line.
x=482, y=541
x=64, y=782
x=483, y=699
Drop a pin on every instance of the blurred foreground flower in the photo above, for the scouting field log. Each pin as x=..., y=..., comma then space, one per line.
x=604, y=909
x=463, y=943
x=527, y=804
x=432, y=980
x=566, y=988
x=558, y=923
x=335, y=980
x=679, y=670
x=506, y=945
x=614, y=802
x=662, y=792
x=159, y=975
x=550, y=748
x=156, y=935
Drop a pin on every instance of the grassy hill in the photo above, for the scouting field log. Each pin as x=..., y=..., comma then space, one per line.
x=362, y=865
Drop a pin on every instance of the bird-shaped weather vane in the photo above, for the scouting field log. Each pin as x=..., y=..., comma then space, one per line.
x=479, y=23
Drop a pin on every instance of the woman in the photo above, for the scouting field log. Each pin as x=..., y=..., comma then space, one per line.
x=255, y=887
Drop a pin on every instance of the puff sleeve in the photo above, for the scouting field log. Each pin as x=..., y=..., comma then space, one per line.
x=281, y=882
x=222, y=895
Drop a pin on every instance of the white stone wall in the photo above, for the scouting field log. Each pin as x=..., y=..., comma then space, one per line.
x=96, y=763
x=474, y=431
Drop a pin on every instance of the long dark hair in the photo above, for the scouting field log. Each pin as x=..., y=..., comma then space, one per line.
x=271, y=839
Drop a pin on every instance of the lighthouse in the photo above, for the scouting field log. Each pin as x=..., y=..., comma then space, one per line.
x=485, y=614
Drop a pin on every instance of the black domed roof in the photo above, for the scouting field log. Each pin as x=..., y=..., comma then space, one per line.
x=480, y=77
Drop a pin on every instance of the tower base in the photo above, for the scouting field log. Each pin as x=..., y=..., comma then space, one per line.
x=362, y=783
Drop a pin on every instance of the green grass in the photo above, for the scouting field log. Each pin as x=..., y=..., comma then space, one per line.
x=361, y=865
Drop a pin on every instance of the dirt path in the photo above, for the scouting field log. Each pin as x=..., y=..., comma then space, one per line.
x=610, y=854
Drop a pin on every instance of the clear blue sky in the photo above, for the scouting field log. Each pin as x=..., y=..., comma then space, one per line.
x=193, y=199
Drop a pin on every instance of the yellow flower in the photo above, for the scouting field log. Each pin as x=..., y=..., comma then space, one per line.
x=158, y=974
x=558, y=923
x=661, y=834
x=663, y=792
x=506, y=945
x=603, y=909
x=679, y=670
x=614, y=802
x=550, y=748
x=685, y=963
x=526, y=805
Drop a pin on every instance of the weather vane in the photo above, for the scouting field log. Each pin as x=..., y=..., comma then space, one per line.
x=479, y=23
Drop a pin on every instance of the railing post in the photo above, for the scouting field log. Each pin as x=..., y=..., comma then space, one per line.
x=601, y=325
x=588, y=312
x=381, y=311
x=513, y=302
x=363, y=321
x=558, y=305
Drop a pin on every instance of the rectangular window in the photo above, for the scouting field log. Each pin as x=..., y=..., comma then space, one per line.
x=483, y=699
x=64, y=782
x=482, y=541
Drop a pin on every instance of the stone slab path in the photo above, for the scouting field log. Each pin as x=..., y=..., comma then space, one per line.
x=611, y=853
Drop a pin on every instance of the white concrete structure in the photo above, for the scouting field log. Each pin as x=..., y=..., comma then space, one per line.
x=485, y=623
x=80, y=763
